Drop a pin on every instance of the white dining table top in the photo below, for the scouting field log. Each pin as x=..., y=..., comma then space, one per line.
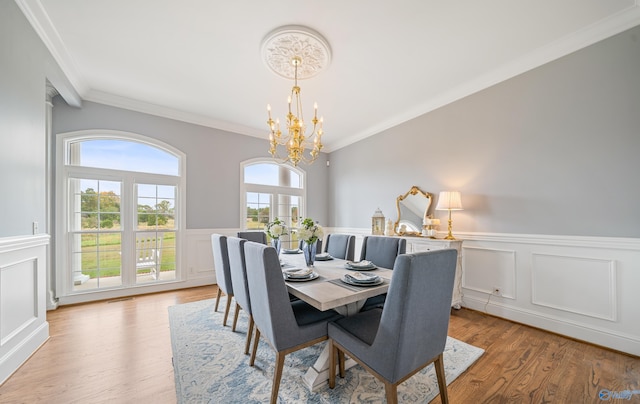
x=328, y=291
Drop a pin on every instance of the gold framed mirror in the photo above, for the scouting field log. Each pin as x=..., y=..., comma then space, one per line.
x=412, y=208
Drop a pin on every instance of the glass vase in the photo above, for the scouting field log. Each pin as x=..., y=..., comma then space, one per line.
x=275, y=243
x=309, y=250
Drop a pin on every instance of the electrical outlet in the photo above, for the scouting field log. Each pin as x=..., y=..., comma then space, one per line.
x=497, y=291
x=35, y=228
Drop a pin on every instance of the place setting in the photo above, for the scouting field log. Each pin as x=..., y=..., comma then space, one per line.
x=361, y=279
x=363, y=265
x=299, y=274
x=323, y=257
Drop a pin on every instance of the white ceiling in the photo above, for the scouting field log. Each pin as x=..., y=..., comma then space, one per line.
x=199, y=60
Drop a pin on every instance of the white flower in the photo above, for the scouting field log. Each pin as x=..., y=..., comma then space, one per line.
x=277, y=230
x=305, y=234
x=319, y=232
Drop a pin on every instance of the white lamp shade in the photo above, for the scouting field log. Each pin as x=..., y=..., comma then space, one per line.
x=449, y=200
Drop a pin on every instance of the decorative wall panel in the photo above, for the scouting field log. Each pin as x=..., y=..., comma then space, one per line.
x=486, y=269
x=575, y=284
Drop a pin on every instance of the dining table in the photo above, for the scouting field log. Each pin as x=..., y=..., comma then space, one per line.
x=327, y=290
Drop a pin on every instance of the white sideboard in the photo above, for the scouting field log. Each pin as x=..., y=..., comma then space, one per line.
x=420, y=244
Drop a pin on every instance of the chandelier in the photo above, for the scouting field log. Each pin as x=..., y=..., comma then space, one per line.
x=295, y=52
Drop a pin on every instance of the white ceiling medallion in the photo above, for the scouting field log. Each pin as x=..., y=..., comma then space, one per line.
x=291, y=42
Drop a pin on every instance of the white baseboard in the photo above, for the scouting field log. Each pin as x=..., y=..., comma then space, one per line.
x=13, y=359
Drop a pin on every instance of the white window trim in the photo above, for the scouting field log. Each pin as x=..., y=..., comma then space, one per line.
x=65, y=171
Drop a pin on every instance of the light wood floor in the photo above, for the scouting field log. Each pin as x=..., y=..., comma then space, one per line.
x=120, y=352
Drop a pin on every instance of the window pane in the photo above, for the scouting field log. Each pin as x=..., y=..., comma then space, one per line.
x=271, y=174
x=156, y=206
x=263, y=173
x=155, y=256
x=123, y=155
x=95, y=204
x=288, y=209
x=96, y=260
x=257, y=210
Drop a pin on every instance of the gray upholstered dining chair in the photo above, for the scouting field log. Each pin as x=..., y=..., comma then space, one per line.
x=382, y=251
x=238, y=268
x=223, y=273
x=342, y=246
x=257, y=236
x=287, y=326
x=410, y=332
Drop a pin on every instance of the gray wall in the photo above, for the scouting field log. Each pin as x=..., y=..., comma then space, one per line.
x=25, y=65
x=552, y=151
x=213, y=159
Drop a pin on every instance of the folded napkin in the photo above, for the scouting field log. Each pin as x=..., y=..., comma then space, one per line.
x=360, y=277
x=361, y=264
x=298, y=272
x=323, y=255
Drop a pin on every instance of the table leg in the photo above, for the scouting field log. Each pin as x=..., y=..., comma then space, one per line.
x=318, y=374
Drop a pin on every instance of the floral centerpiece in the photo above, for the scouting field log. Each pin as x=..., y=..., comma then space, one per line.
x=275, y=230
x=310, y=232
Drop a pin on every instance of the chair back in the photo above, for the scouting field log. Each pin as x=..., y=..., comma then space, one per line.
x=221, y=263
x=382, y=251
x=415, y=318
x=341, y=246
x=148, y=251
x=270, y=305
x=256, y=236
x=238, y=269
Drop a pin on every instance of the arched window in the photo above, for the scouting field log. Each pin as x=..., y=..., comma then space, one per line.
x=119, y=211
x=270, y=190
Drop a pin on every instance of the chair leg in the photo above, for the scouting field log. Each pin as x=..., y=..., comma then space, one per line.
x=217, y=299
x=277, y=375
x=391, y=391
x=226, y=310
x=341, y=362
x=249, y=332
x=332, y=364
x=255, y=347
x=442, y=382
x=235, y=317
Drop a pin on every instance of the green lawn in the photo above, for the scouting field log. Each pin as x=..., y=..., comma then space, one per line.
x=103, y=257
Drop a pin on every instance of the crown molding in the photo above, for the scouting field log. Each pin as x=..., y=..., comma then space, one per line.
x=171, y=113
x=39, y=20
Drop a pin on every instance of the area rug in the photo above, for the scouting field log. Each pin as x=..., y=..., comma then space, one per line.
x=210, y=366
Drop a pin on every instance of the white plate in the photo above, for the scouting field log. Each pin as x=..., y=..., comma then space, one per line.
x=363, y=268
x=323, y=257
x=355, y=279
x=296, y=251
x=297, y=272
x=314, y=275
x=364, y=285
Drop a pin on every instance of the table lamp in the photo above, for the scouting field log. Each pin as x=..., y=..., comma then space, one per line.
x=449, y=200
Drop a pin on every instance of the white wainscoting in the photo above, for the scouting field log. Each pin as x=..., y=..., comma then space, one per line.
x=23, y=325
x=583, y=287
x=587, y=288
